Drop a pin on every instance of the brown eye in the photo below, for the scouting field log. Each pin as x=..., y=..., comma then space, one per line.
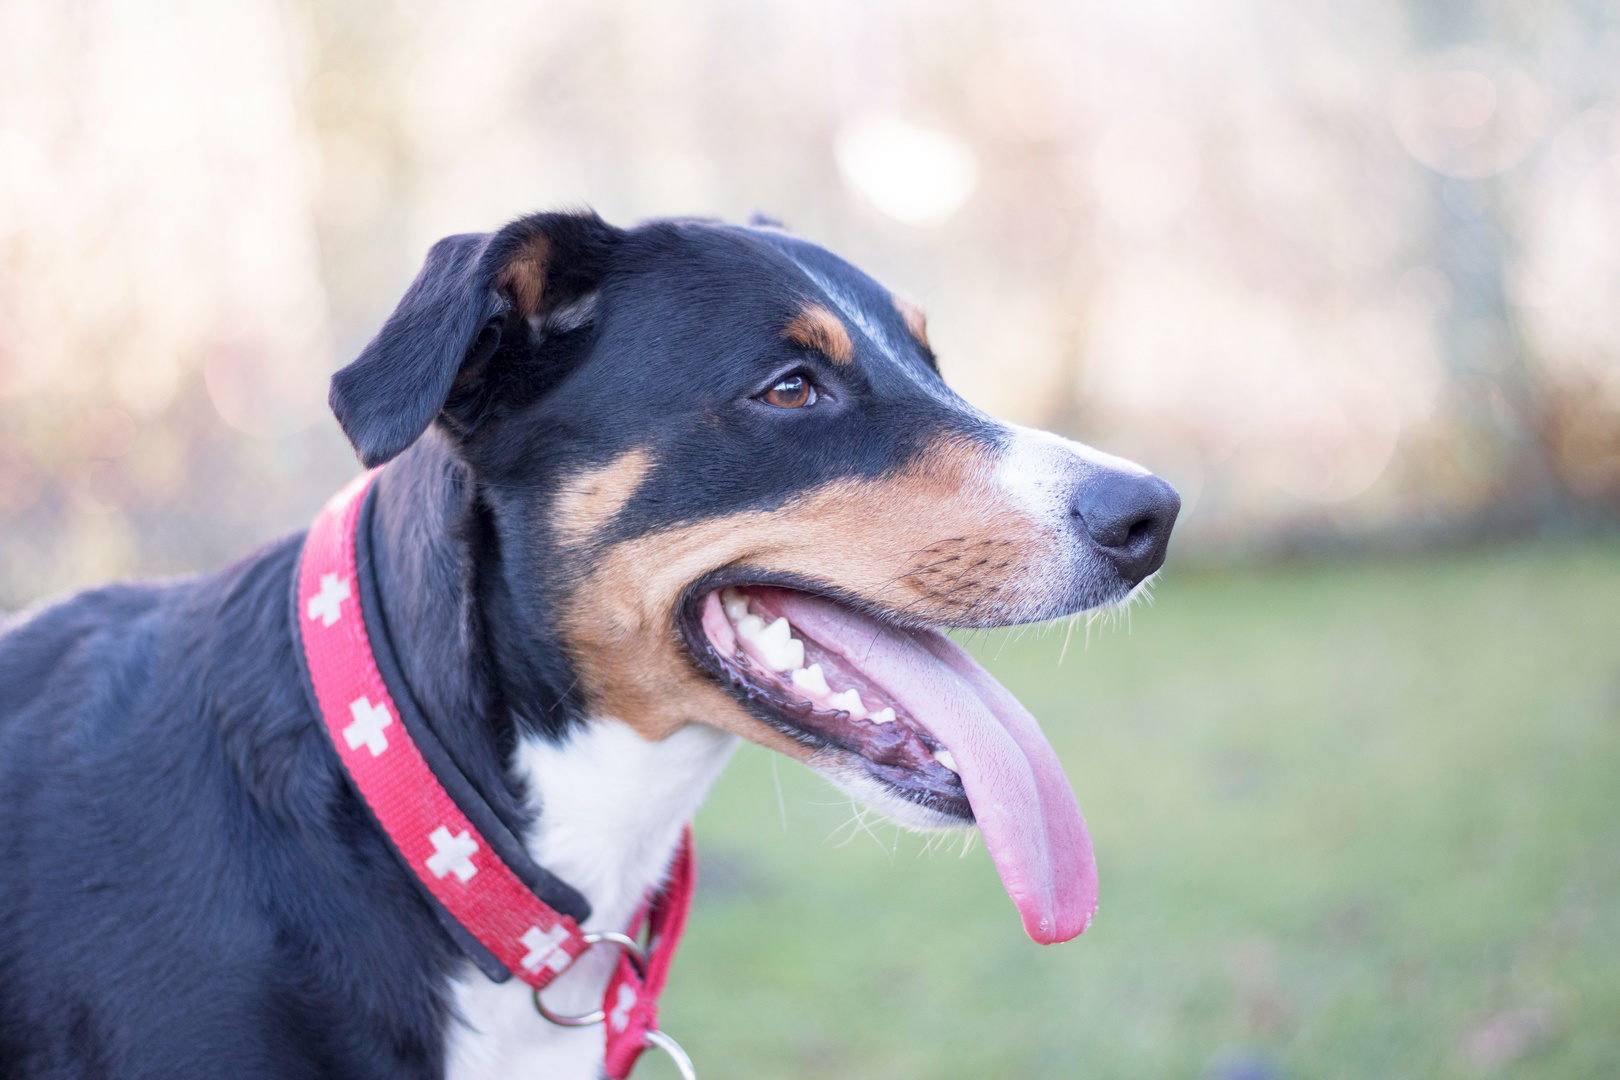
x=793, y=392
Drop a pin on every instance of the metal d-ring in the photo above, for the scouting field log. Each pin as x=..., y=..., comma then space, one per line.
x=623, y=941
x=582, y=1020
x=683, y=1064
x=637, y=957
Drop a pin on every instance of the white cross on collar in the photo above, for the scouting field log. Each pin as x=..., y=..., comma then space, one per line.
x=367, y=729
x=545, y=948
x=621, y=1010
x=327, y=605
x=452, y=854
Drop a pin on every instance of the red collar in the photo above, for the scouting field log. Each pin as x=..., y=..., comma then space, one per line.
x=508, y=914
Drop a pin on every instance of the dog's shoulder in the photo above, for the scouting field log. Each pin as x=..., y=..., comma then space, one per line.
x=99, y=649
x=34, y=645
x=172, y=808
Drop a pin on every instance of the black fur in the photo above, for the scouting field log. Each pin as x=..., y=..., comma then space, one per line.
x=190, y=887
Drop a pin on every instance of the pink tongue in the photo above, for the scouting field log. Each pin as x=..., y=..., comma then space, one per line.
x=1025, y=808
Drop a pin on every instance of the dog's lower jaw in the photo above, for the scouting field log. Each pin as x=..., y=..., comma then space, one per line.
x=874, y=795
x=610, y=808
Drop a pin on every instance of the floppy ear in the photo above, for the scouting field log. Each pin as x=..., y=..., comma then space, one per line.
x=475, y=293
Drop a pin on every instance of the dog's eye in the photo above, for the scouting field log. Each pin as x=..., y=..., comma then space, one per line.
x=793, y=392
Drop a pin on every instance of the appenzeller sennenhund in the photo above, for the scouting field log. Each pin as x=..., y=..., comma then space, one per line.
x=648, y=491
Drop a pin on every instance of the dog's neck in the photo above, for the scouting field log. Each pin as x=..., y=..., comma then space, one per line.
x=594, y=802
x=423, y=543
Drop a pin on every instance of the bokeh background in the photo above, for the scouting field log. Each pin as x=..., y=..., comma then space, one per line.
x=1346, y=271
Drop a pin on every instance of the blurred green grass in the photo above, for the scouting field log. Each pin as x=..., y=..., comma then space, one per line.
x=1352, y=821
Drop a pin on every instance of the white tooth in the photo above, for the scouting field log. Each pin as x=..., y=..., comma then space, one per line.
x=780, y=649
x=750, y=627
x=945, y=759
x=734, y=603
x=851, y=700
x=776, y=635
x=790, y=656
x=812, y=681
x=884, y=715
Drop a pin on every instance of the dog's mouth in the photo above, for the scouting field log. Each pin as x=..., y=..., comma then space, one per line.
x=905, y=711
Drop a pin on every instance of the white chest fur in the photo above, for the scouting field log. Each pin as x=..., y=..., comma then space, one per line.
x=611, y=809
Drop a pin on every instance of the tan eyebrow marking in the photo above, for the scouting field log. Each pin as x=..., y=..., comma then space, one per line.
x=817, y=328
x=916, y=321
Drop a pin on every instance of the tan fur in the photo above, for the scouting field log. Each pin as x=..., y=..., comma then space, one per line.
x=589, y=501
x=817, y=328
x=524, y=278
x=916, y=321
x=936, y=542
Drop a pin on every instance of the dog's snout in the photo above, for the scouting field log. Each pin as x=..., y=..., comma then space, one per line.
x=1129, y=517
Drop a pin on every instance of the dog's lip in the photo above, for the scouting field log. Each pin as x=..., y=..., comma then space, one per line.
x=1015, y=786
x=691, y=606
x=916, y=776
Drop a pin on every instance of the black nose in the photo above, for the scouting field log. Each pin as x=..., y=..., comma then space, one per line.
x=1129, y=517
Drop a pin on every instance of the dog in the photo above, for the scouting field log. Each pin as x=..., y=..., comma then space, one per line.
x=646, y=491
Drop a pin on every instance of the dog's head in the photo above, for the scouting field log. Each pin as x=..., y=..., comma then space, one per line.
x=719, y=473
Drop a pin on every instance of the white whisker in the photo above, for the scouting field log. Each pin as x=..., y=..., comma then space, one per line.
x=781, y=803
